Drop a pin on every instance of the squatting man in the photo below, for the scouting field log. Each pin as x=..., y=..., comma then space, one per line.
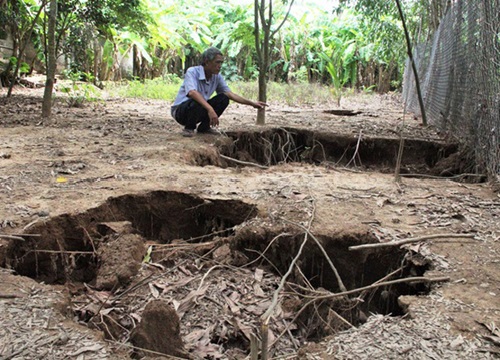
x=193, y=104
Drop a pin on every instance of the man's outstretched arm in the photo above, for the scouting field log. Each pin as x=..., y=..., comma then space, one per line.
x=241, y=100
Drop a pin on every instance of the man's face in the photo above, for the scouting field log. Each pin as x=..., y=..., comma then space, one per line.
x=214, y=66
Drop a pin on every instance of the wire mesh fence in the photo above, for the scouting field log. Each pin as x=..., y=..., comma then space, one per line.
x=459, y=71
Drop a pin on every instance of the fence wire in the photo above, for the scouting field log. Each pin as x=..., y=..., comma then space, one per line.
x=459, y=71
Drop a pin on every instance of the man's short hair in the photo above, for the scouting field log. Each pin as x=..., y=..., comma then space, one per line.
x=210, y=54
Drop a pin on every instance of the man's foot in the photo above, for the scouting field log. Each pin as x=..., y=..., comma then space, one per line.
x=188, y=133
x=210, y=131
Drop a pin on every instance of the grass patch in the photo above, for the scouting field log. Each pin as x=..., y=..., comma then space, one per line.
x=148, y=89
x=290, y=94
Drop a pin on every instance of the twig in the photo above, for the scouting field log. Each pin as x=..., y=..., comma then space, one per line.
x=356, y=150
x=341, y=318
x=292, y=339
x=186, y=246
x=267, y=315
x=29, y=235
x=208, y=235
x=413, y=65
x=322, y=148
x=243, y=162
x=334, y=269
x=63, y=252
x=267, y=248
x=388, y=276
x=90, y=238
x=399, y=159
x=11, y=237
x=442, y=177
x=312, y=326
x=306, y=280
x=254, y=347
x=354, y=189
x=261, y=255
x=264, y=333
x=268, y=151
x=373, y=286
x=207, y=273
x=106, y=330
x=9, y=296
x=104, y=302
x=408, y=241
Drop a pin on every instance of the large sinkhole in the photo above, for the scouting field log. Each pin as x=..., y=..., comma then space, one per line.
x=275, y=251
x=282, y=145
x=67, y=246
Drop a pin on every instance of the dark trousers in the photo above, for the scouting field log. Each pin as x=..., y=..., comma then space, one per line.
x=190, y=113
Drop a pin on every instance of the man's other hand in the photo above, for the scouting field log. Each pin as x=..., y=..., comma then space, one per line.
x=259, y=104
x=214, y=119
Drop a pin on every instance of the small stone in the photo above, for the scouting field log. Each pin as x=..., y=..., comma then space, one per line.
x=43, y=213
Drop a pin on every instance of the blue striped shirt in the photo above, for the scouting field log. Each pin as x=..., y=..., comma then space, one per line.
x=195, y=79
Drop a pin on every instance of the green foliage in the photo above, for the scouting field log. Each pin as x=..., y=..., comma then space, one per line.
x=23, y=68
x=301, y=75
x=363, y=36
x=79, y=92
x=162, y=89
x=127, y=15
x=230, y=71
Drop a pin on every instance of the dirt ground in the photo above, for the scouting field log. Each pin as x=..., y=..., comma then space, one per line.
x=107, y=207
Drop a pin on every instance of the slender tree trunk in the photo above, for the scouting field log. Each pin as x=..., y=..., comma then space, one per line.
x=116, y=70
x=51, y=61
x=97, y=61
x=262, y=47
x=261, y=113
x=414, y=67
x=136, y=64
x=22, y=43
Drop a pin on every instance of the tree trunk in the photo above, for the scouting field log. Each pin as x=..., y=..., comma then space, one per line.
x=414, y=67
x=51, y=61
x=97, y=61
x=262, y=47
x=19, y=43
x=261, y=113
x=136, y=63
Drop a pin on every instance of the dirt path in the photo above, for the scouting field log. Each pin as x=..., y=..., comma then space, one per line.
x=57, y=177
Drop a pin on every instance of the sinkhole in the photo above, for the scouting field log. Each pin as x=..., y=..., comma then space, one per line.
x=68, y=246
x=284, y=145
x=356, y=270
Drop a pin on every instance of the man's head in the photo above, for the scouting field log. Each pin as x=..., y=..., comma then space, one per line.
x=212, y=60
x=209, y=55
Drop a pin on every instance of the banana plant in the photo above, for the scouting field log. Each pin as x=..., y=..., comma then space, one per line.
x=340, y=65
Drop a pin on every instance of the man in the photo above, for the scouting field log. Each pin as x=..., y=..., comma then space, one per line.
x=193, y=104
